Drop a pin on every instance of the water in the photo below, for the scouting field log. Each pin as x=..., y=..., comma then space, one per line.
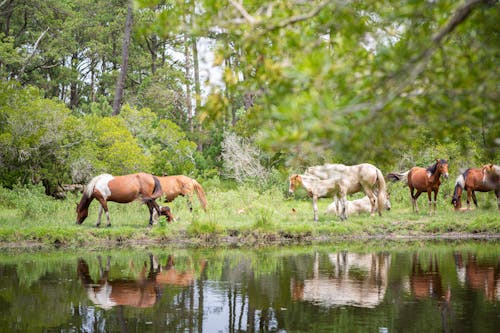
x=374, y=287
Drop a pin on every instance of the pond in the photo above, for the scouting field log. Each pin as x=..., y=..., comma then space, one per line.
x=376, y=286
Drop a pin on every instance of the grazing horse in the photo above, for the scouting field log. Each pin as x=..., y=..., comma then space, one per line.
x=358, y=177
x=319, y=188
x=472, y=180
x=423, y=180
x=173, y=186
x=358, y=206
x=122, y=189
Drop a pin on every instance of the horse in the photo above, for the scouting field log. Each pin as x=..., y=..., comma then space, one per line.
x=472, y=180
x=491, y=175
x=173, y=186
x=319, y=188
x=423, y=180
x=121, y=189
x=358, y=206
x=359, y=177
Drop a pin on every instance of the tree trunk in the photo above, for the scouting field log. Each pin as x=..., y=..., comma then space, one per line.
x=120, y=84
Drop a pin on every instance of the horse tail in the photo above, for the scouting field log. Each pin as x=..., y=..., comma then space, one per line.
x=201, y=194
x=157, y=190
x=398, y=177
x=382, y=191
x=457, y=193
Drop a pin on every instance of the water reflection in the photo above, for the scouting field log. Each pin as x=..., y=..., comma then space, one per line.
x=479, y=276
x=142, y=292
x=272, y=290
x=354, y=279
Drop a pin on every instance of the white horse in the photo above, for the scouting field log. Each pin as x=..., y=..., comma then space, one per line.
x=361, y=177
x=358, y=206
x=318, y=188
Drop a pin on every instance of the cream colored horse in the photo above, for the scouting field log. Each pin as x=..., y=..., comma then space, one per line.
x=361, y=177
x=318, y=188
x=358, y=206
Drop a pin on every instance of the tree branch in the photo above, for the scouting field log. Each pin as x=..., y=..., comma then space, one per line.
x=32, y=53
x=420, y=62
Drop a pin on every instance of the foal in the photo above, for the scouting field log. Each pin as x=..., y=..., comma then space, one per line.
x=358, y=206
x=318, y=188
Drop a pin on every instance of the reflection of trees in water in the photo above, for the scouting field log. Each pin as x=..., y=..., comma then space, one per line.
x=256, y=293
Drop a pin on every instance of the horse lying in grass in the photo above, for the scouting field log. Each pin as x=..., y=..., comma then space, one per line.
x=361, y=177
x=472, y=180
x=358, y=206
x=122, y=189
x=173, y=186
x=318, y=188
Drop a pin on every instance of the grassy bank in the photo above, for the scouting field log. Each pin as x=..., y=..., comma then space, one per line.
x=237, y=215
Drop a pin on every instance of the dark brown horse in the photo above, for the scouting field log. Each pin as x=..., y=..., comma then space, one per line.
x=174, y=186
x=423, y=180
x=472, y=180
x=122, y=189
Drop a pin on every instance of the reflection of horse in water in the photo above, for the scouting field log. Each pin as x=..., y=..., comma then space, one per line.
x=426, y=282
x=144, y=291
x=357, y=279
x=479, y=276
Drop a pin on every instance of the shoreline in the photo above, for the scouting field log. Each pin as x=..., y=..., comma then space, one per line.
x=253, y=240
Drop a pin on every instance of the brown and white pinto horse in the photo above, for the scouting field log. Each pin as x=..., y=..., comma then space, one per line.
x=122, y=189
x=472, y=180
x=173, y=186
x=491, y=175
x=423, y=180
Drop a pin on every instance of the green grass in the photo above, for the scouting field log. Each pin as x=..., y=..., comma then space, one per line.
x=241, y=214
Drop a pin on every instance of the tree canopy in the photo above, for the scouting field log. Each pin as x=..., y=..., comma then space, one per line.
x=304, y=81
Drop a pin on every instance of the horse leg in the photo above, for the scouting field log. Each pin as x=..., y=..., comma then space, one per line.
x=497, y=193
x=189, y=203
x=343, y=215
x=315, y=207
x=152, y=205
x=104, y=205
x=469, y=195
x=429, y=195
x=435, y=200
x=373, y=201
x=474, y=198
x=413, y=200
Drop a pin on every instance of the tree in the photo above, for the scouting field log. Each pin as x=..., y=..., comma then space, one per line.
x=120, y=83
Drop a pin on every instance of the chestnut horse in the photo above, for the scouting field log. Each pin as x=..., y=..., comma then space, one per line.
x=472, y=180
x=423, y=180
x=122, y=189
x=173, y=186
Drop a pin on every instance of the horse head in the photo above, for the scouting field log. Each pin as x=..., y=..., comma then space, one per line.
x=294, y=182
x=487, y=170
x=165, y=211
x=82, y=212
x=442, y=167
x=387, y=205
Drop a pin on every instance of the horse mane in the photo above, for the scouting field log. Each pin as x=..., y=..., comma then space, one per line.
x=432, y=169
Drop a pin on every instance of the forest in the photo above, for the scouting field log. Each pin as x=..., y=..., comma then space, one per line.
x=243, y=90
